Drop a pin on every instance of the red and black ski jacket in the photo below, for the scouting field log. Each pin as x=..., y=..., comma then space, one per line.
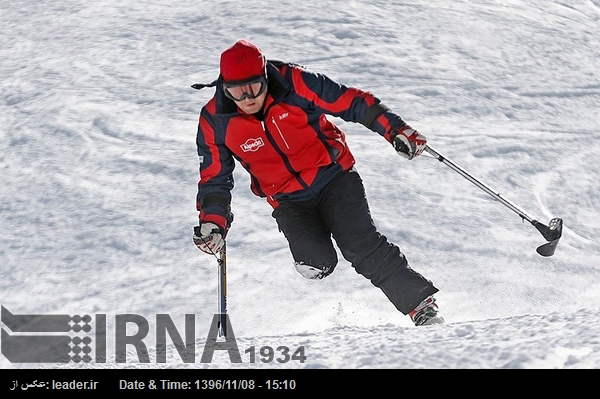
x=293, y=151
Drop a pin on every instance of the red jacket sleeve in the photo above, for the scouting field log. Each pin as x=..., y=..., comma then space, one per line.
x=349, y=103
x=213, y=200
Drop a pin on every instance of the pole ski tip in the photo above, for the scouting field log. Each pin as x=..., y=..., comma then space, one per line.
x=551, y=233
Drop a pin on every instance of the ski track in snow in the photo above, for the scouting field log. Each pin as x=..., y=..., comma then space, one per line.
x=99, y=166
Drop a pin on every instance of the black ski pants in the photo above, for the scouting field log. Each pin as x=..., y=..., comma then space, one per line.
x=341, y=211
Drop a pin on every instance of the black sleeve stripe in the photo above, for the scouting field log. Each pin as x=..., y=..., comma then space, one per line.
x=372, y=113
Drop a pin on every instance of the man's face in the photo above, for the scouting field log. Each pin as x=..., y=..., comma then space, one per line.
x=252, y=106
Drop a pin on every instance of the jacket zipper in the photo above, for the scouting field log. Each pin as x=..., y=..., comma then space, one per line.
x=280, y=133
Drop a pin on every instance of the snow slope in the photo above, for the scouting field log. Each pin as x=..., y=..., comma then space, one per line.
x=99, y=169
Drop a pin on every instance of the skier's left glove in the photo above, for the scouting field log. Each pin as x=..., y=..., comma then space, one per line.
x=208, y=238
x=408, y=142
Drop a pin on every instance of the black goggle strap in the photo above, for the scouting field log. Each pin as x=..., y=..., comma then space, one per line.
x=200, y=86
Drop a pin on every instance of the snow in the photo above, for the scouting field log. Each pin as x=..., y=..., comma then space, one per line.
x=98, y=168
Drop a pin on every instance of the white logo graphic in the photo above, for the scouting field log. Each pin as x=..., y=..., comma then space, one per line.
x=252, y=145
x=284, y=115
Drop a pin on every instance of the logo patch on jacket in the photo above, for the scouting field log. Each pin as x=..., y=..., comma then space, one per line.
x=252, y=145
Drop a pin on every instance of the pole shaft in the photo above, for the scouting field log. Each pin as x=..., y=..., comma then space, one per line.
x=479, y=184
x=222, y=300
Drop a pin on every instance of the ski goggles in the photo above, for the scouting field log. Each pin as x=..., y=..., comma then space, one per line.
x=250, y=89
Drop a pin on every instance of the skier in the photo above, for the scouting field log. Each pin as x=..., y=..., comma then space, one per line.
x=271, y=117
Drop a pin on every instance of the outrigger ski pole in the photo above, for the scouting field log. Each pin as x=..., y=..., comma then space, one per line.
x=222, y=286
x=551, y=233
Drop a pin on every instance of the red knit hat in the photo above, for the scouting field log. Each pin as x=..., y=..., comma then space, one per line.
x=242, y=61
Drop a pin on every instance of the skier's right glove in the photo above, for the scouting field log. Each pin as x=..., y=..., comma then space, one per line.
x=408, y=142
x=208, y=238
